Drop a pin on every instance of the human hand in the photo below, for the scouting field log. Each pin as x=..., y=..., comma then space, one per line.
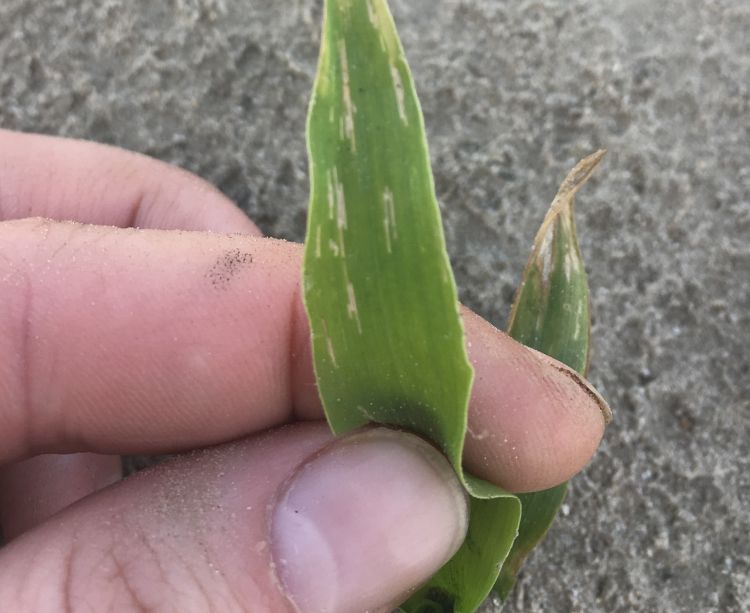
x=156, y=340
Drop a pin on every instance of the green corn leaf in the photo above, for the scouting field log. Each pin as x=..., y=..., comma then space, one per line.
x=551, y=314
x=388, y=344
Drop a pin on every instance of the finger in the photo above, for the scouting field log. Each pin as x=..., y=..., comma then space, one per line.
x=87, y=182
x=63, y=179
x=35, y=489
x=124, y=341
x=533, y=422
x=342, y=526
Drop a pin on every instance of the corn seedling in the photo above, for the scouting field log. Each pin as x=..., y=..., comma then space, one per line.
x=388, y=343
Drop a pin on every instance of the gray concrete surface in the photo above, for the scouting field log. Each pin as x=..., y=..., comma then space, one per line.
x=513, y=94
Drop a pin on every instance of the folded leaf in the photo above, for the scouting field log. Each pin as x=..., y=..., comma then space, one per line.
x=388, y=344
x=551, y=314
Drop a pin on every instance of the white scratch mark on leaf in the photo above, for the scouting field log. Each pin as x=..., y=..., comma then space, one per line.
x=330, y=193
x=340, y=202
x=577, y=330
x=544, y=256
x=351, y=306
x=572, y=265
x=346, y=6
x=365, y=413
x=386, y=28
x=349, y=108
x=372, y=15
x=389, y=218
x=341, y=209
x=579, y=320
x=334, y=247
x=398, y=88
x=317, y=241
x=329, y=344
x=376, y=23
x=336, y=200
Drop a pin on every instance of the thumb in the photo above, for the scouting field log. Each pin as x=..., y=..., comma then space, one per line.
x=371, y=517
x=290, y=519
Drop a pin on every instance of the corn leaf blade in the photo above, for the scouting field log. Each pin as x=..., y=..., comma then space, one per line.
x=388, y=343
x=550, y=313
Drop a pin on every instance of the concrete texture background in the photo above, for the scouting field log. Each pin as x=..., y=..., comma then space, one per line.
x=513, y=94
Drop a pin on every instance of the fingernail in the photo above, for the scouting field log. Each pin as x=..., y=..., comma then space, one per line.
x=590, y=390
x=370, y=517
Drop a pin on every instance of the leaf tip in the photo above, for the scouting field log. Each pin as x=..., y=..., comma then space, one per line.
x=581, y=173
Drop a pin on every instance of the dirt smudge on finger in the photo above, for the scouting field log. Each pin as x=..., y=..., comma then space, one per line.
x=227, y=266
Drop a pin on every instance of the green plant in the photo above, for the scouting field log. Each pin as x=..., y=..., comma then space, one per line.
x=551, y=314
x=388, y=343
